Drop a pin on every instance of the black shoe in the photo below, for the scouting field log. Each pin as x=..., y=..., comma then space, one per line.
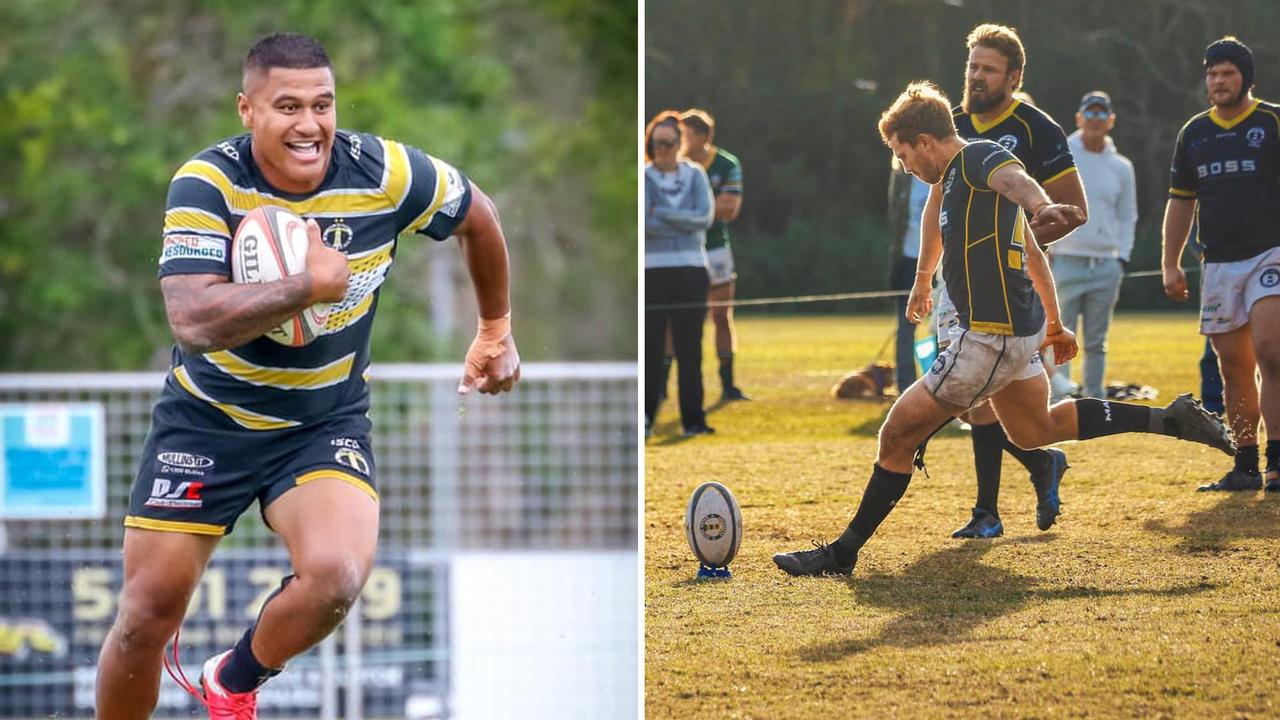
x=703, y=429
x=1273, y=480
x=1048, y=504
x=732, y=393
x=819, y=561
x=1236, y=480
x=1199, y=425
x=982, y=525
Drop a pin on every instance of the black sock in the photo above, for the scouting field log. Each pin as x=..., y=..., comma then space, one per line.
x=1098, y=418
x=1247, y=459
x=726, y=370
x=988, y=449
x=883, y=492
x=1036, y=460
x=1273, y=454
x=242, y=672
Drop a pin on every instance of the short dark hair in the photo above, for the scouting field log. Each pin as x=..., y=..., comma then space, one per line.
x=699, y=121
x=666, y=118
x=921, y=109
x=286, y=50
x=1004, y=40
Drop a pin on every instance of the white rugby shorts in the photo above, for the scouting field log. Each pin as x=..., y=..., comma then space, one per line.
x=948, y=317
x=976, y=365
x=1228, y=290
x=720, y=265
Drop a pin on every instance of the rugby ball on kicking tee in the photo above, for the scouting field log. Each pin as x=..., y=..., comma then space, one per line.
x=713, y=525
x=270, y=245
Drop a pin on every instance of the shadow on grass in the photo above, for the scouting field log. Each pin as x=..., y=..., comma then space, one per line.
x=945, y=596
x=1215, y=529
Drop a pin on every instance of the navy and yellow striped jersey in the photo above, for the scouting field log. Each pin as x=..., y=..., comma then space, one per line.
x=1027, y=132
x=1232, y=168
x=374, y=190
x=983, y=254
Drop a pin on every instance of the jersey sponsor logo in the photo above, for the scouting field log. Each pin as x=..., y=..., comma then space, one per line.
x=951, y=178
x=353, y=459
x=355, y=146
x=453, y=200
x=229, y=150
x=942, y=219
x=1009, y=142
x=338, y=235
x=165, y=494
x=991, y=155
x=1255, y=136
x=187, y=460
x=193, y=247
x=1226, y=167
x=1269, y=278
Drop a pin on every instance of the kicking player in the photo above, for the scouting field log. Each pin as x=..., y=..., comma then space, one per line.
x=1008, y=311
x=725, y=173
x=1224, y=166
x=243, y=418
x=991, y=111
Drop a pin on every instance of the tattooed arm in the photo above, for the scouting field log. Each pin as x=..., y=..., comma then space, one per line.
x=208, y=313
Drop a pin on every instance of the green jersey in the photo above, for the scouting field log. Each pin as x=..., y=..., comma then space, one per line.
x=725, y=173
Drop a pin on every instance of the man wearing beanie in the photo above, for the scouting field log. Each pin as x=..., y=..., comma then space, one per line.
x=1225, y=162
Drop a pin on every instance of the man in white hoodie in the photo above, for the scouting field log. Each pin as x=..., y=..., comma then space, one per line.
x=1090, y=261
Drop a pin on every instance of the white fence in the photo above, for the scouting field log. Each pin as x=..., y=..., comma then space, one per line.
x=520, y=508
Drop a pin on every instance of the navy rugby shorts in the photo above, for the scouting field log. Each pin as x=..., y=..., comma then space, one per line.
x=200, y=471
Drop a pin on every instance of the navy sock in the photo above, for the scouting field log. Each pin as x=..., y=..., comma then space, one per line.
x=1273, y=454
x=1099, y=418
x=1036, y=460
x=884, y=490
x=1247, y=459
x=242, y=672
x=726, y=370
x=988, y=455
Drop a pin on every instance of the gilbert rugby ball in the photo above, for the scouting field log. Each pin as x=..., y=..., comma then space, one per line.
x=713, y=525
x=270, y=245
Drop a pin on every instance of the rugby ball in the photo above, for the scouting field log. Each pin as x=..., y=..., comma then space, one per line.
x=270, y=245
x=713, y=525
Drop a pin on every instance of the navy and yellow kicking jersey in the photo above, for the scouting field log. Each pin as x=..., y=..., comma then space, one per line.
x=1232, y=167
x=725, y=173
x=374, y=190
x=983, y=255
x=1027, y=132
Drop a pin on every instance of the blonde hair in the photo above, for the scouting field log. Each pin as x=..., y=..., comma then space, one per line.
x=921, y=109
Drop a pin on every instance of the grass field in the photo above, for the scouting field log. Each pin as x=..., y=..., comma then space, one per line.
x=1147, y=600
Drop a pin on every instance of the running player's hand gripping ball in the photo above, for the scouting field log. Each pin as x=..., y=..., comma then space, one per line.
x=713, y=525
x=272, y=244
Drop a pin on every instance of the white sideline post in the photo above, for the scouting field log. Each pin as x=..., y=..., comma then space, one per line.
x=329, y=678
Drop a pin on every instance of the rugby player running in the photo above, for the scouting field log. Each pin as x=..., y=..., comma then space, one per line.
x=990, y=111
x=1225, y=165
x=1008, y=312
x=243, y=418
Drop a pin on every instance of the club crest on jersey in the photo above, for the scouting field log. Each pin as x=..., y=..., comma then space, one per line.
x=1269, y=278
x=338, y=235
x=353, y=459
x=1255, y=136
x=1008, y=142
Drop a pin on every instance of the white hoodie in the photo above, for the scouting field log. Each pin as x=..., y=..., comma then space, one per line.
x=1113, y=207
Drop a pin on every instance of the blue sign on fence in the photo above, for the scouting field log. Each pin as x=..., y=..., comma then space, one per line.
x=52, y=461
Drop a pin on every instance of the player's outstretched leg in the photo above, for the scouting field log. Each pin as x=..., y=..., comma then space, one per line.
x=914, y=417
x=161, y=570
x=330, y=525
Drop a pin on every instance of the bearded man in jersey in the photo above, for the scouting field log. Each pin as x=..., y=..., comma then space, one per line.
x=243, y=418
x=1225, y=165
x=990, y=111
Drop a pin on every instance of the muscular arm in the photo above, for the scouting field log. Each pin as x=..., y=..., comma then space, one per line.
x=920, y=301
x=209, y=312
x=485, y=250
x=1178, y=214
x=1066, y=190
x=1042, y=280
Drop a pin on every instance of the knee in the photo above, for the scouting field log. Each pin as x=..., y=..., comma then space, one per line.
x=149, y=614
x=720, y=316
x=334, y=580
x=1268, y=354
x=1026, y=438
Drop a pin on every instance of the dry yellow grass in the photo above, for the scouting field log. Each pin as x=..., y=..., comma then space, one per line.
x=1147, y=600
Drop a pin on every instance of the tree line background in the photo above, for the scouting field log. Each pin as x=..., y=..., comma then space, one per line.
x=797, y=89
x=102, y=100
